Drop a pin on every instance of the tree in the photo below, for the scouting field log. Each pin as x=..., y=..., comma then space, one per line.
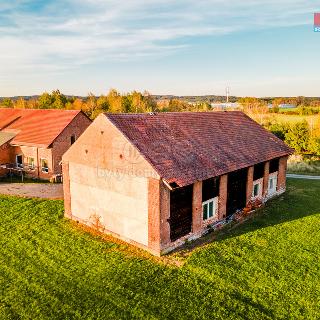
x=78, y=104
x=21, y=103
x=45, y=101
x=301, y=101
x=177, y=105
x=103, y=104
x=298, y=136
x=115, y=101
x=314, y=146
x=149, y=102
x=59, y=100
x=253, y=105
x=7, y=102
x=277, y=101
x=32, y=104
x=90, y=105
x=279, y=129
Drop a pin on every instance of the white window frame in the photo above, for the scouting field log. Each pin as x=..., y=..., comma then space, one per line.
x=259, y=184
x=273, y=177
x=214, y=202
x=31, y=167
x=19, y=165
x=44, y=169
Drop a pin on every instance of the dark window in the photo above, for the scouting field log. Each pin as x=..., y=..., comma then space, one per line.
x=73, y=139
x=274, y=165
x=258, y=171
x=19, y=161
x=210, y=188
x=256, y=189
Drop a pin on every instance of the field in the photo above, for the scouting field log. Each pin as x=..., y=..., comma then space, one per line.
x=309, y=165
x=285, y=118
x=267, y=268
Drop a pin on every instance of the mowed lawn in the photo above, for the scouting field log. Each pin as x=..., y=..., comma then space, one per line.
x=267, y=268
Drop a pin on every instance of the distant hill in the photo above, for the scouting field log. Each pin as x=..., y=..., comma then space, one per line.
x=204, y=98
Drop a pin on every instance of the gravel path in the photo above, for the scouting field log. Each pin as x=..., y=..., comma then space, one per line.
x=302, y=176
x=33, y=190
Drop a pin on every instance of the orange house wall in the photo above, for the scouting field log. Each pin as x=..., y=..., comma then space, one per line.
x=63, y=142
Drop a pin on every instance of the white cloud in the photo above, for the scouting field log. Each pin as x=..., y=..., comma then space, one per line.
x=68, y=33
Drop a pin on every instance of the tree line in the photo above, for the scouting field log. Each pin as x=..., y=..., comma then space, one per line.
x=299, y=135
x=113, y=102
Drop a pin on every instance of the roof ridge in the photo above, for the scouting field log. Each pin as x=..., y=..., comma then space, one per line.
x=173, y=112
x=9, y=122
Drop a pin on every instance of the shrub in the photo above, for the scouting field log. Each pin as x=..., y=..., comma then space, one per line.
x=298, y=136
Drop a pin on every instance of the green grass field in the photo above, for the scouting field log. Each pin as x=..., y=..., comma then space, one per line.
x=267, y=268
x=285, y=118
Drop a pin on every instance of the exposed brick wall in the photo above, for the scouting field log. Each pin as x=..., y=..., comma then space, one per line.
x=164, y=215
x=66, y=190
x=5, y=156
x=282, y=174
x=223, y=196
x=37, y=154
x=249, y=183
x=197, y=207
x=154, y=215
x=266, y=179
x=63, y=141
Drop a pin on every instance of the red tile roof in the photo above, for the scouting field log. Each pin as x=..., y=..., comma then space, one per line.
x=35, y=127
x=185, y=147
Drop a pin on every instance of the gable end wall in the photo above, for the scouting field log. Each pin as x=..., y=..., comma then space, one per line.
x=63, y=142
x=107, y=183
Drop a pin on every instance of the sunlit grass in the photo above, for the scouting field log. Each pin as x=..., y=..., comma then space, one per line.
x=267, y=268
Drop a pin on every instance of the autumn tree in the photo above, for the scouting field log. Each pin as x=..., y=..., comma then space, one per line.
x=115, y=101
x=45, y=101
x=20, y=103
x=59, y=100
x=6, y=102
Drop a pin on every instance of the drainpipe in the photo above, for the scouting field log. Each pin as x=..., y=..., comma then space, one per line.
x=38, y=162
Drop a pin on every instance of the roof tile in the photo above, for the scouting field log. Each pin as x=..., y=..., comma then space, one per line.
x=185, y=147
x=37, y=127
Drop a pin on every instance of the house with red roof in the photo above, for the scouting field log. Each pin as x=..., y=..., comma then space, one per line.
x=32, y=141
x=159, y=179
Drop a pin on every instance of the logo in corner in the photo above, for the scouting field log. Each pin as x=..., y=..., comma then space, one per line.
x=316, y=23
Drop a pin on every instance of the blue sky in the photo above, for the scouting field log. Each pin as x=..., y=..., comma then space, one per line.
x=257, y=48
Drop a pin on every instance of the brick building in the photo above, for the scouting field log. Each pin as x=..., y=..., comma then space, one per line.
x=32, y=142
x=156, y=180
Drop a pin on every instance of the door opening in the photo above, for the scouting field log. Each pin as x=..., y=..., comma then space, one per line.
x=237, y=191
x=180, y=212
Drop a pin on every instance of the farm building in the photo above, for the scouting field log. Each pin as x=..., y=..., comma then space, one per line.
x=32, y=142
x=156, y=180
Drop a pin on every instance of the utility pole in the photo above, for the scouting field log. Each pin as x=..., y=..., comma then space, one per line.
x=227, y=93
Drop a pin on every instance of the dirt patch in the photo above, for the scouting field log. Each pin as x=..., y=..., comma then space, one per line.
x=32, y=190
